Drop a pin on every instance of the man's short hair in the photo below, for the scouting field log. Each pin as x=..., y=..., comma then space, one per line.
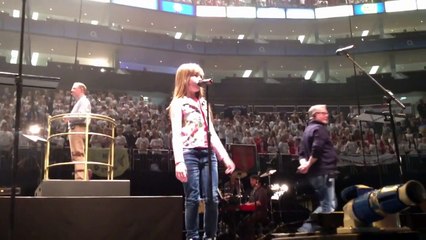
x=255, y=176
x=81, y=85
x=315, y=109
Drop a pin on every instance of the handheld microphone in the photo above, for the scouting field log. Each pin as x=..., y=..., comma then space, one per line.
x=205, y=82
x=344, y=50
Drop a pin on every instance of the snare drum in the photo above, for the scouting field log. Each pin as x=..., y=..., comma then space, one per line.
x=247, y=208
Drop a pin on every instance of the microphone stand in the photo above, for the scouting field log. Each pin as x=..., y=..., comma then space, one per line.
x=19, y=84
x=209, y=149
x=388, y=98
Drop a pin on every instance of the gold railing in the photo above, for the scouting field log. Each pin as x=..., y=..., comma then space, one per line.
x=110, y=124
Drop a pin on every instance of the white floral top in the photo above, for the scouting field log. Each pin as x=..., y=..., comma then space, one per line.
x=194, y=125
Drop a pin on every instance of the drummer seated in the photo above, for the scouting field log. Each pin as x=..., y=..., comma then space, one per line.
x=258, y=201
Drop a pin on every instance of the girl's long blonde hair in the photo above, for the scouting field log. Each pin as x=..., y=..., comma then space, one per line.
x=183, y=74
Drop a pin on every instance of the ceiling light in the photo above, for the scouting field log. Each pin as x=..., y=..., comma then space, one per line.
x=94, y=22
x=14, y=56
x=35, y=16
x=308, y=74
x=364, y=33
x=247, y=73
x=178, y=35
x=241, y=37
x=16, y=13
x=403, y=98
x=34, y=58
x=374, y=69
x=301, y=38
x=98, y=62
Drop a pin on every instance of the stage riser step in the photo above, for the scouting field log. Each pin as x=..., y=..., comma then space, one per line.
x=83, y=188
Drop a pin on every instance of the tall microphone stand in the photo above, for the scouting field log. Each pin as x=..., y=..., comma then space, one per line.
x=209, y=149
x=19, y=84
x=388, y=98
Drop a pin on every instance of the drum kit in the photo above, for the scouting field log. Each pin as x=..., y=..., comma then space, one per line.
x=233, y=191
x=233, y=198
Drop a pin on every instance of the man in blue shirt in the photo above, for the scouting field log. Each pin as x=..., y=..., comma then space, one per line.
x=318, y=161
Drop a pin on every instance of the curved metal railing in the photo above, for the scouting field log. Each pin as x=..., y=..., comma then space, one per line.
x=110, y=124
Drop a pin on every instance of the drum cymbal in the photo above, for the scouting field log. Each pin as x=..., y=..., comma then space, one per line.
x=268, y=173
x=239, y=174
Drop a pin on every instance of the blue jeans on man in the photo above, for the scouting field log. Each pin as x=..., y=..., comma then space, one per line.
x=196, y=188
x=324, y=187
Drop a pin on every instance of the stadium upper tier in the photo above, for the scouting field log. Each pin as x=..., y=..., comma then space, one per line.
x=149, y=36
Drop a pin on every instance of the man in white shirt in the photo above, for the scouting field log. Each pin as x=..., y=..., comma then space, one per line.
x=78, y=125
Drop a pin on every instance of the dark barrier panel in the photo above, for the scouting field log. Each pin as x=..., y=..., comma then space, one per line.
x=113, y=218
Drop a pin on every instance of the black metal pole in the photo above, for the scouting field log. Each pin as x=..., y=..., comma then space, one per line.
x=379, y=166
x=15, y=158
x=37, y=81
x=395, y=139
x=209, y=149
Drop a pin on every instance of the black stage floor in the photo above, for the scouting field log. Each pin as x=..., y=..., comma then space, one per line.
x=394, y=235
x=148, y=217
x=94, y=218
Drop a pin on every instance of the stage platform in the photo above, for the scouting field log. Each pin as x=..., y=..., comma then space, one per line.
x=58, y=188
x=413, y=227
x=383, y=235
x=96, y=217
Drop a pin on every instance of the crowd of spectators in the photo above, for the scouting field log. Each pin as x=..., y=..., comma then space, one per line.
x=275, y=3
x=145, y=127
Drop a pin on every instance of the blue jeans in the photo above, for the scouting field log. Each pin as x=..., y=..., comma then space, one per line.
x=324, y=189
x=196, y=188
